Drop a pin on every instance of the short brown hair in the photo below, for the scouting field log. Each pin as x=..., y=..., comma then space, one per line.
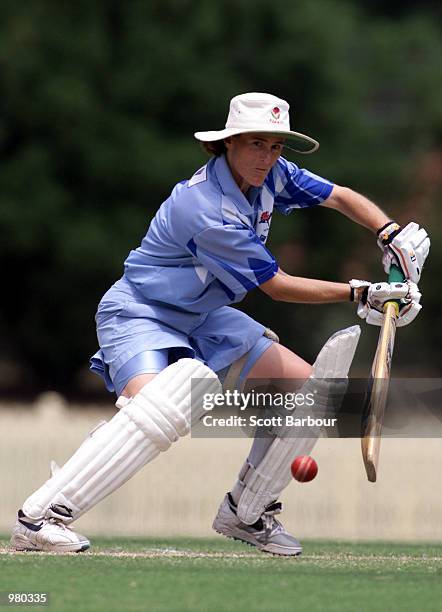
x=217, y=147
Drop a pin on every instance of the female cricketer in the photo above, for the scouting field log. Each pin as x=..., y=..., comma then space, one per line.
x=169, y=319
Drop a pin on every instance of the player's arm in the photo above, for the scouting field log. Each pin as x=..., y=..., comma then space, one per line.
x=406, y=247
x=370, y=297
x=356, y=207
x=283, y=287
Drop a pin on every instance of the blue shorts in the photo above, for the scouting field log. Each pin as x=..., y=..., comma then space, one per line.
x=137, y=338
x=153, y=362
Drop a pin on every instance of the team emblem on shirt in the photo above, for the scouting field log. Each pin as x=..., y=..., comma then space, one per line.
x=265, y=217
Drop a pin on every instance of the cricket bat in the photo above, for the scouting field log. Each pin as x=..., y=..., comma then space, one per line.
x=378, y=383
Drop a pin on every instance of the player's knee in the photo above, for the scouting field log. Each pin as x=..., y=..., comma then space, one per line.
x=135, y=385
x=161, y=408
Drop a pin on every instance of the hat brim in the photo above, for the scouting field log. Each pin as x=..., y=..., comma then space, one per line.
x=299, y=142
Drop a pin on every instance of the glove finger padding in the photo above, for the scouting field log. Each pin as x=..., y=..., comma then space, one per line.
x=374, y=317
x=407, y=248
x=408, y=314
x=379, y=293
x=376, y=295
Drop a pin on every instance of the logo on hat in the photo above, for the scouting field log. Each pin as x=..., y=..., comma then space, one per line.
x=276, y=112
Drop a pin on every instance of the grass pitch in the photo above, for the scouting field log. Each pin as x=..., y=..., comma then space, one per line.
x=198, y=575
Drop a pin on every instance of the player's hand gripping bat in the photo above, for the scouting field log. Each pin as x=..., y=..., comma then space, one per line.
x=378, y=383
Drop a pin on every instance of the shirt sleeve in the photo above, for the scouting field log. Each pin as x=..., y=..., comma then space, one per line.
x=235, y=256
x=297, y=187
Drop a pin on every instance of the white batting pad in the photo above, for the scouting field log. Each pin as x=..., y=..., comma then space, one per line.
x=336, y=356
x=146, y=425
x=264, y=482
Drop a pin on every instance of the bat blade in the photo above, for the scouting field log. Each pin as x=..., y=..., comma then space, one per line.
x=377, y=393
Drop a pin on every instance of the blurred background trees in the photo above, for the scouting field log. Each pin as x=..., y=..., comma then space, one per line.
x=98, y=106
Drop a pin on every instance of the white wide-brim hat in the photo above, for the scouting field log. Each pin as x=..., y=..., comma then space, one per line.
x=263, y=113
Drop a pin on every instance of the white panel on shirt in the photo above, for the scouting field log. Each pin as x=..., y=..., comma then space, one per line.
x=231, y=213
x=279, y=185
x=201, y=271
x=199, y=176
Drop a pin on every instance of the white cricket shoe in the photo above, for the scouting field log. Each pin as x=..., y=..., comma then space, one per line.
x=50, y=535
x=267, y=534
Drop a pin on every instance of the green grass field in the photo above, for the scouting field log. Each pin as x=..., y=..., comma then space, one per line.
x=219, y=575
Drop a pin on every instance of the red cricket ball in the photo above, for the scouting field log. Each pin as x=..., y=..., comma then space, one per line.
x=304, y=468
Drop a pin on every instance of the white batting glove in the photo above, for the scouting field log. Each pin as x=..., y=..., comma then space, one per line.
x=406, y=247
x=372, y=297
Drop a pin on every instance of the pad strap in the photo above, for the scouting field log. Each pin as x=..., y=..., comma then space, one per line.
x=233, y=376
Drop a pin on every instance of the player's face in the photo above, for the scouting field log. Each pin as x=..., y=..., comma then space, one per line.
x=251, y=157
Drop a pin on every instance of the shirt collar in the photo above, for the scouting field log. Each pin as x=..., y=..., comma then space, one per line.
x=230, y=188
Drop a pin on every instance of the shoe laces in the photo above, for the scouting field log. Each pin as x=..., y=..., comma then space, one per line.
x=58, y=514
x=271, y=524
x=59, y=523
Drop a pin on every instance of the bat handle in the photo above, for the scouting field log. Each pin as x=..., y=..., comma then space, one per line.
x=395, y=276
